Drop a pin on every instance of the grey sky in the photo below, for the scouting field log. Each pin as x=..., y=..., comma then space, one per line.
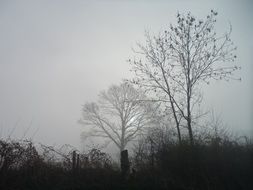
x=56, y=55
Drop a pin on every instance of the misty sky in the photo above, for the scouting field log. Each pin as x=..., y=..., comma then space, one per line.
x=57, y=55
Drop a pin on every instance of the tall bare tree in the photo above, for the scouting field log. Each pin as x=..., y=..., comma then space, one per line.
x=120, y=115
x=177, y=61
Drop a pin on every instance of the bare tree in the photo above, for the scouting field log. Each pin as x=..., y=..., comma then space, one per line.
x=178, y=60
x=120, y=115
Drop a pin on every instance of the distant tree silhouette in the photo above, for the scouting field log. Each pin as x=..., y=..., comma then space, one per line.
x=177, y=61
x=120, y=115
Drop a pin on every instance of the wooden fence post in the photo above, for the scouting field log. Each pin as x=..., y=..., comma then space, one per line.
x=74, y=160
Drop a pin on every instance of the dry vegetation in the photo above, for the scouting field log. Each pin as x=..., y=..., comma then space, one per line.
x=158, y=162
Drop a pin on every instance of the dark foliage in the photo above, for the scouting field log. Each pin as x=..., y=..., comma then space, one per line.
x=21, y=167
x=218, y=164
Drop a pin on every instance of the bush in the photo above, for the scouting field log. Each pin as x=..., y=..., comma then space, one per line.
x=157, y=163
x=219, y=164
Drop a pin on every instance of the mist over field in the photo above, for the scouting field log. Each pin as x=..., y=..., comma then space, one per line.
x=57, y=55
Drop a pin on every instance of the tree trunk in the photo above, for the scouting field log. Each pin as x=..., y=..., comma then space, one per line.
x=124, y=163
x=172, y=106
x=178, y=133
x=189, y=126
x=176, y=120
x=189, y=91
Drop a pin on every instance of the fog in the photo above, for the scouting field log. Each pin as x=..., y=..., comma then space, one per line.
x=57, y=55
